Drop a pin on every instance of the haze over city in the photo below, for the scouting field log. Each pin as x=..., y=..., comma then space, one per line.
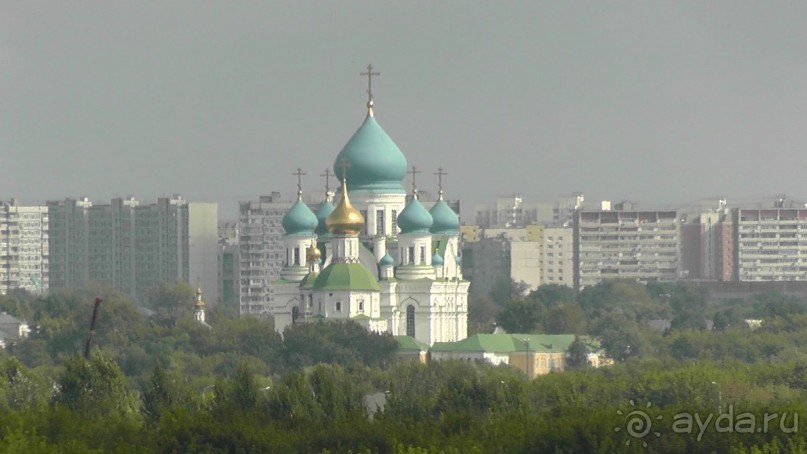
x=655, y=102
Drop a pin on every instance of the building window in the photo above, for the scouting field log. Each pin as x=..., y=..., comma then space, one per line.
x=423, y=254
x=379, y=222
x=410, y=321
x=338, y=306
x=310, y=301
x=295, y=260
x=361, y=305
x=394, y=222
x=411, y=255
x=366, y=220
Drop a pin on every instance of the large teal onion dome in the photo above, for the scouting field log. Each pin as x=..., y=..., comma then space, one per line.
x=375, y=162
x=414, y=218
x=322, y=213
x=299, y=220
x=387, y=260
x=446, y=220
x=436, y=259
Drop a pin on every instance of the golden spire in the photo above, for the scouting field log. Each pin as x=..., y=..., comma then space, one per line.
x=312, y=253
x=344, y=219
x=199, y=303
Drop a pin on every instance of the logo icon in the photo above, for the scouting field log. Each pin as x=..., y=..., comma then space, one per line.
x=638, y=424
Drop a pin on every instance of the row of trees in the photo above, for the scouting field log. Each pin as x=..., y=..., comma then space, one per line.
x=160, y=382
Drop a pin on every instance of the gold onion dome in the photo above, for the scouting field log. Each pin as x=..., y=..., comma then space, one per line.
x=199, y=302
x=312, y=253
x=344, y=219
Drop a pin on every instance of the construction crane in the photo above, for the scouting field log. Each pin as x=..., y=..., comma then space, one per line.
x=92, y=328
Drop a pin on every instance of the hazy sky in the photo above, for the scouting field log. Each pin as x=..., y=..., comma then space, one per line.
x=220, y=101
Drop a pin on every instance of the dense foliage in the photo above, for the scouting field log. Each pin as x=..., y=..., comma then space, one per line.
x=158, y=381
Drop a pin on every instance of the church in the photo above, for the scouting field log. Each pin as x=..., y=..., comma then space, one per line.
x=375, y=254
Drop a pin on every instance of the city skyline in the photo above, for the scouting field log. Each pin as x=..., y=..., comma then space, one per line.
x=668, y=103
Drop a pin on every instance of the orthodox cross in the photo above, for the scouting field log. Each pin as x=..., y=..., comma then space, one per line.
x=414, y=173
x=327, y=176
x=370, y=73
x=299, y=173
x=440, y=174
x=344, y=165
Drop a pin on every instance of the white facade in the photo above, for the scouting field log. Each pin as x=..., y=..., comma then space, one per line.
x=557, y=256
x=23, y=247
x=626, y=244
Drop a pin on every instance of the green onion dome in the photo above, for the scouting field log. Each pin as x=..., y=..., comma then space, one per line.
x=436, y=259
x=374, y=161
x=322, y=213
x=446, y=220
x=299, y=220
x=387, y=260
x=414, y=218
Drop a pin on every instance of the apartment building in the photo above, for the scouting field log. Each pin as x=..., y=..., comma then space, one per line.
x=770, y=244
x=624, y=243
x=132, y=247
x=23, y=247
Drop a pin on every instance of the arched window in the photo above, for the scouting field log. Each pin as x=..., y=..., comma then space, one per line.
x=410, y=320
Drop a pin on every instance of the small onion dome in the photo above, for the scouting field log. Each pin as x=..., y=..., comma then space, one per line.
x=446, y=220
x=414, y=218
x=387, y=260
x=299, y=220
x=199, y=303
x=322, y=213
x=344, y=219
x=436, y=259
x=312, y=253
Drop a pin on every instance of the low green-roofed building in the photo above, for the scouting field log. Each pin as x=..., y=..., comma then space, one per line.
x=346, y=276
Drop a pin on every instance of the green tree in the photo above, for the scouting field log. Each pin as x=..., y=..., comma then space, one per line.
x=520, y=316
x=553, y=295
x=564, y=319
x=94, y=387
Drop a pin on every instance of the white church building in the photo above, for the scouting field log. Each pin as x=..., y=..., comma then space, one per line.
x=377, y=257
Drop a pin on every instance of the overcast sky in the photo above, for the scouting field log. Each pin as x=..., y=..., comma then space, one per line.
x=649, y=101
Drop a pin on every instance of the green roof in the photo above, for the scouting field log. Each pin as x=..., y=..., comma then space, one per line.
x=308, y=280
x=346, y=276
x=410, y=344
x=361, y=317
x=508, y=343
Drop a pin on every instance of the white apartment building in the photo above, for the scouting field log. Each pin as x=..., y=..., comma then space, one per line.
x=23, y=247
x=770, y=244
x=557, y=254
x=261, y=251
x=626, y=244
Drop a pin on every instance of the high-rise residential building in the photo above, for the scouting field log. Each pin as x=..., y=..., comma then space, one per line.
x=556, y=254
x=770, y=244
x=23, y=247
x=624, y=243
x=260, y=240
x=132, y=247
